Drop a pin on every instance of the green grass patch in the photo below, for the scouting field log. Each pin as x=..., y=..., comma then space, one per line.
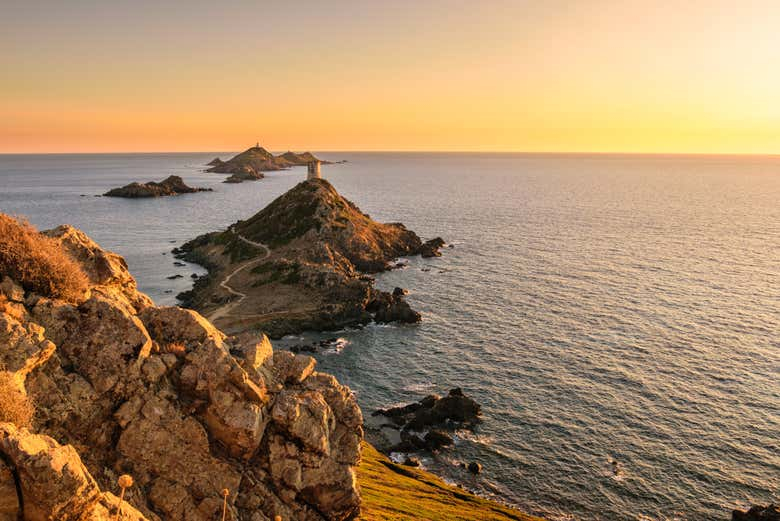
x=397, y=492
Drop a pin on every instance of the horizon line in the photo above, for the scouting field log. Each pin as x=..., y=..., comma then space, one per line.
x=414, y=151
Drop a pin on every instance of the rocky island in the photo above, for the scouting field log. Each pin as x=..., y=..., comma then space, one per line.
x=172, y=185
x=302, y=263
x=250, y=164
x=112, y=408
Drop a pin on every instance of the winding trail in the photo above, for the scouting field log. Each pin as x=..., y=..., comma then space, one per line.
x=223, y=310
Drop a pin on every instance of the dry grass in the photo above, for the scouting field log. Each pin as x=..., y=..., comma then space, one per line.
x=15, y=406
x=39, y=263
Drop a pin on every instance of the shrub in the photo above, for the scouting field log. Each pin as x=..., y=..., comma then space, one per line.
x=39, y=263
x=15, y=406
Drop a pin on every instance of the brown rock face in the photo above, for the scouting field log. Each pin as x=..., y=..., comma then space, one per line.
x=52, y=481
x=106, y=270
x=125, y=387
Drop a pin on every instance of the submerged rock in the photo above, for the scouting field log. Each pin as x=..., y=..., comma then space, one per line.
x=172, y=185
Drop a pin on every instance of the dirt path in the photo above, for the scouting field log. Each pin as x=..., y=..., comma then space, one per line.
x=223, y=310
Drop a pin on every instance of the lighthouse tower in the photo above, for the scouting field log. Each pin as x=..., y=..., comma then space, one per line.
x=314, y=170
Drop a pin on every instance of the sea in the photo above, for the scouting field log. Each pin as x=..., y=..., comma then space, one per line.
x=616, y=316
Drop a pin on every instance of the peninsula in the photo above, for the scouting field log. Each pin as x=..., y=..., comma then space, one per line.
x=172, y=185
x=302, y=263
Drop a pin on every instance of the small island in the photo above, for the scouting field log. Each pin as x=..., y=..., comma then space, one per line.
x=302, y=263
x=250, y=164
x=172, y=185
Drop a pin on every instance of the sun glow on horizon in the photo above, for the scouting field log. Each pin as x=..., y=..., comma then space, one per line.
x=588, y=76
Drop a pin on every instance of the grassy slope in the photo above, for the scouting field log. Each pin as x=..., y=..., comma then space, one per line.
x=396, y=492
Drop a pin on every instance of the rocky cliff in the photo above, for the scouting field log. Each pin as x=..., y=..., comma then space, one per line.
x=121, y=386
x=301, y=263
x=172, y=185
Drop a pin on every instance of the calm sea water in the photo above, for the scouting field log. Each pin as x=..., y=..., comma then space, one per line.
x=600, y=308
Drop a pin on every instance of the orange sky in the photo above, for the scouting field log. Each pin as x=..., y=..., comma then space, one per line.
x=553, y=76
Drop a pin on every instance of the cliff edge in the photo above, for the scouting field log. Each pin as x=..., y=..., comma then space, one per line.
x=121, y=386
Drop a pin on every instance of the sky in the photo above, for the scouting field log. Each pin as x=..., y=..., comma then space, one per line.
x=490, y=75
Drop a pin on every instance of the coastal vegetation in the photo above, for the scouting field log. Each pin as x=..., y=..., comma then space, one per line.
x=37, y=262
x=398, y=492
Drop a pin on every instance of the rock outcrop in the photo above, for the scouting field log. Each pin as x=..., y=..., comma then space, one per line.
x=244, y=173
x=429, y=414
x=303, y=263
x=41, y=479
x=172, y=185
x=758, y=513
x=122, y=386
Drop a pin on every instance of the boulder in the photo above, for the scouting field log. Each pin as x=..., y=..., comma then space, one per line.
x=757, y=513
x=431, y=248
x=387, y=307
x=106, y=270
x=436, y=439
x=411, y=461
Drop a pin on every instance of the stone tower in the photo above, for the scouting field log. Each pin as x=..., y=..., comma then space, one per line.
x=314, y=170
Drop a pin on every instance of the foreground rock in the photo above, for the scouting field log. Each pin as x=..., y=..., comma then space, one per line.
x=758, y=513
x=429, y=414
x=172, y=185
x=53, y=483
x=303, y=264
x=122, y=386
